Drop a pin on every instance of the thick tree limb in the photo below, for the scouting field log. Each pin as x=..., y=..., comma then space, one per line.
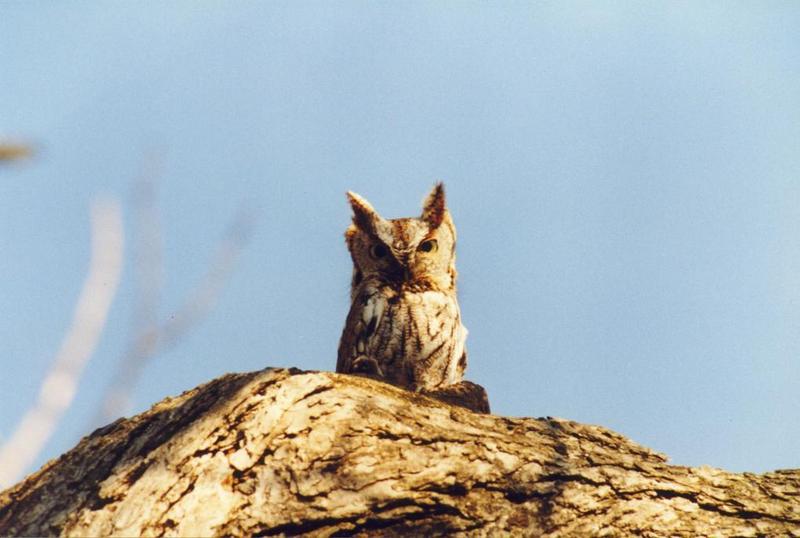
x=287, y=452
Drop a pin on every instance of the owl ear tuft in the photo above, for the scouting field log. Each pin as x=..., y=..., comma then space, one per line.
x=364, y=215
x=433, y=207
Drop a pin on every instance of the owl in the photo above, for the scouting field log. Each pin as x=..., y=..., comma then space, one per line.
x=404, y=325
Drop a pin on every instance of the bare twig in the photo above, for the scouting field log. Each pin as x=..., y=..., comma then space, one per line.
x=12, y=151
x=148, y=280
x=88, y=320
x=203, y=297
x=150, y=336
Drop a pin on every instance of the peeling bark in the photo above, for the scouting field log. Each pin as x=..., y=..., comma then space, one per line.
x=285, y=452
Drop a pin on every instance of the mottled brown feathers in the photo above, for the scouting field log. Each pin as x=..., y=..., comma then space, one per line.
x=404, y=324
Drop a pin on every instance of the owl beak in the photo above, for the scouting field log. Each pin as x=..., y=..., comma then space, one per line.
x=403, y=258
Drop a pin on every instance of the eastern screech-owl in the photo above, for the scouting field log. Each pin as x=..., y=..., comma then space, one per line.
x=404, y=325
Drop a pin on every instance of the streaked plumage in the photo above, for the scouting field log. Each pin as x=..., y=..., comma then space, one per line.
x=404, y=324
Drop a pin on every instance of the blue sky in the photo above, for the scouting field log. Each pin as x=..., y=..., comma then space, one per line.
x=624, y=178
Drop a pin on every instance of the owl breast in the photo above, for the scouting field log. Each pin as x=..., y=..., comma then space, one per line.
x=413, y=339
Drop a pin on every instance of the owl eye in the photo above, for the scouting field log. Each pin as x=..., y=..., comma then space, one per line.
x=379, y=251
x=428, y=246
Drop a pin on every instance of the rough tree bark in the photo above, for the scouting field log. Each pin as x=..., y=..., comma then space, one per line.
x=285, y=452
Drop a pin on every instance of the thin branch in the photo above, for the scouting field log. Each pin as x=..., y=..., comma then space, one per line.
x=88, y=320
x=148, y=260
x=14, y=151
x=152, y=337
x=204, y=296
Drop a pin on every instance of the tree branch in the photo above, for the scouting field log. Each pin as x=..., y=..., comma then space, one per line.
x=285, y=452
x=149, y=335
x=88, y=319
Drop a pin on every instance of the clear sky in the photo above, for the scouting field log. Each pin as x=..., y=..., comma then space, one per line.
x=624, y=176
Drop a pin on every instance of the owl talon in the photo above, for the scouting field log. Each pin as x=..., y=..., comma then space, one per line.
x=367, y=367
x=464, y=394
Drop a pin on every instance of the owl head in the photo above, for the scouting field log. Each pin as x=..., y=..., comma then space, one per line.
x=417, y=253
